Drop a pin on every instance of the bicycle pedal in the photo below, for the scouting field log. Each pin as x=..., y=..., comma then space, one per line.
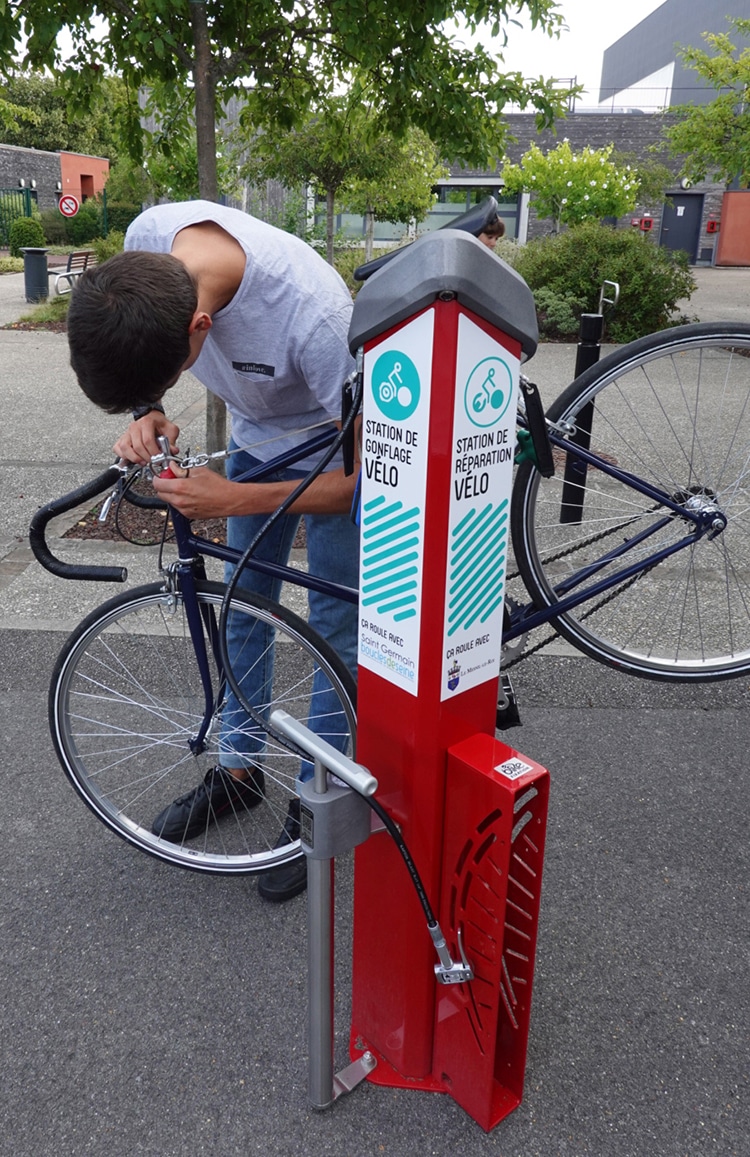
x=508, y=714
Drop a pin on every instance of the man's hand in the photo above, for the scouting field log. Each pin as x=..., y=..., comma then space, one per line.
x=202, y=493
x=138, y=443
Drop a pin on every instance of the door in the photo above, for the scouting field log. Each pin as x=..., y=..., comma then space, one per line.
x=681, y=223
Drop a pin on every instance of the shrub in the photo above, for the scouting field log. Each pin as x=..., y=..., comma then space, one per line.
x=120, y=214
x=347, y=260
x=55, y=226
x=567, y=272
x=558, y=315
x=25, y=231
x=105, y=247
x=85, y=226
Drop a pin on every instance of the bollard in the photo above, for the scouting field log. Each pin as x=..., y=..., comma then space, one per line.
x=443, y=327
x=587, y=355
x=35, y=274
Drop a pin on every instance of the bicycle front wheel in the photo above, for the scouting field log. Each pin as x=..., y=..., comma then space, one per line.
x=135, y=725
x=673, y=409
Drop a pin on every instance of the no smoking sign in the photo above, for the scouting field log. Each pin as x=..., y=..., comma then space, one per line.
x=69, y=205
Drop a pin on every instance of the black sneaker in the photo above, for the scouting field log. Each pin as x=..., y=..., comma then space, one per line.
x=219, y=793
x=288, y=880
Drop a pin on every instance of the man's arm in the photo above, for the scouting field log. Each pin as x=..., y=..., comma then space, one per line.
x=205, y=494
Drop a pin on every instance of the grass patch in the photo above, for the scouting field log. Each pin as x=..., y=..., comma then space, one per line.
x=54, y=311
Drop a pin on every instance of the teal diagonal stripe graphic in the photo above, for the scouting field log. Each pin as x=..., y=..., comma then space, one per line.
x=390, y=557
x=476, y=566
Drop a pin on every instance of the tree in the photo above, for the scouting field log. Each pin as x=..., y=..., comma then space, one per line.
x=714, y=139
x=47, y=124
x=573, y=187
x=11, y=114
x=343, y=152
x=284, y=56
x=402, y=192
x=324, y=151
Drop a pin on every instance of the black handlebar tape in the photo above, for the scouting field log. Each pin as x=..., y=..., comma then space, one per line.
x=43, y=516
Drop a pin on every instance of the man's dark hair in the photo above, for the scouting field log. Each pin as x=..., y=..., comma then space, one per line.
x=128, y=324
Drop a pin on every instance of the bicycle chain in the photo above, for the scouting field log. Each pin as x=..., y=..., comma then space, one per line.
x=526, y=654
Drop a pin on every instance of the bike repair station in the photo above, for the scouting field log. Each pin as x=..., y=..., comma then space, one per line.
x=456, y=838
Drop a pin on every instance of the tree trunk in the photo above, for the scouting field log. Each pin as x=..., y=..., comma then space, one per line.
x=329, y=225
x=369, y=234
x=208, y=186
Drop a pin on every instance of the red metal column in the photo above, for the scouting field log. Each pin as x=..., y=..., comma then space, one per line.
x=418, y=708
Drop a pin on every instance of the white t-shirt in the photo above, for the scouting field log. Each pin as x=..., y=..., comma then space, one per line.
x=277, y=353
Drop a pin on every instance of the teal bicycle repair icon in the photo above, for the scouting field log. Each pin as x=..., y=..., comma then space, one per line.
x=488, y=392
x=395, y=385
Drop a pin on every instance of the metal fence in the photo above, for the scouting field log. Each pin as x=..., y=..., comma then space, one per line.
x=13, y=203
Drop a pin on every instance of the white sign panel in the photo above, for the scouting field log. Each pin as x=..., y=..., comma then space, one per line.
x=484, y=425
x=395, y=430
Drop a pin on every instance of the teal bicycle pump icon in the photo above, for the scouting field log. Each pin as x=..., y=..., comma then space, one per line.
x=395, y=385
x=488, y=391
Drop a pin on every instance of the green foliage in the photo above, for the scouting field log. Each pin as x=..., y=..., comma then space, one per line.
x=11, y=265
x=108, y=246
x=343, y=150
x=558, y=314
x=86, y=225
x=653, y=176
x=714, y=139
x=566, y=272
x=44, y=119
x=25, y=231
x=347, y=260
x=55, y=226
x=402, y=191
x=128, y=183
x=286, y=56
x=573, y=187
x=119, y=215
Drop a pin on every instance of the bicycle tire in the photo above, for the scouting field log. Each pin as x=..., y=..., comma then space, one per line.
x=672, y=408
x=125, y=699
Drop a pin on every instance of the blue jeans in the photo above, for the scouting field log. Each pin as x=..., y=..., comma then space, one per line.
x=333, y=554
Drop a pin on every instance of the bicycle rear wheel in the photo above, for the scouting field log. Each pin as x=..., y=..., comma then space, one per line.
x=673, y=409
x=127, y=704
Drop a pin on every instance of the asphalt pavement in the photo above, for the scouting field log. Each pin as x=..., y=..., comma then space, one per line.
x=147, y=1010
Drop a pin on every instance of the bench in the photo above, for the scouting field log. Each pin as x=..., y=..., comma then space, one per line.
x=78, y=263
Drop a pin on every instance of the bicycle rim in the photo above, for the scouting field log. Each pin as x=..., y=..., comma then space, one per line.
x=126, y=700
x=674, y=410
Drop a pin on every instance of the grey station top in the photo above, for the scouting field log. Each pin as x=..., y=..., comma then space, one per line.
x=445, y=262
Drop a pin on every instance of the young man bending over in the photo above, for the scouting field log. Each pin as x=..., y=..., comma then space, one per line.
x=262, y=321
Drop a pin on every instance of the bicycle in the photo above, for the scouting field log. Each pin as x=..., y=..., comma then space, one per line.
x=636, y=550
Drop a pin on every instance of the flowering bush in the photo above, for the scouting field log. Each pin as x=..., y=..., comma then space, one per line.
x=573, y=187
x=565, y=274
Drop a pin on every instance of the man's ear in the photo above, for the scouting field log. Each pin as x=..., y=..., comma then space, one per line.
x=200, y=322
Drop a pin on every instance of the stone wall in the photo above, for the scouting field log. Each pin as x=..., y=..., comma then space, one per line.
x=29, y=165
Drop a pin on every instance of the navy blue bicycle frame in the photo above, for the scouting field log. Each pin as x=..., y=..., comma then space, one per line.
x=519, y=620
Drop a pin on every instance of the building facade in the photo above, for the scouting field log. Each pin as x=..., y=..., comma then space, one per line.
x=643, y=69
x=50, y=175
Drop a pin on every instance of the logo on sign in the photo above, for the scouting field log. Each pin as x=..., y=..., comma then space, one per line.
x=395, y=385
x=488, y=392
